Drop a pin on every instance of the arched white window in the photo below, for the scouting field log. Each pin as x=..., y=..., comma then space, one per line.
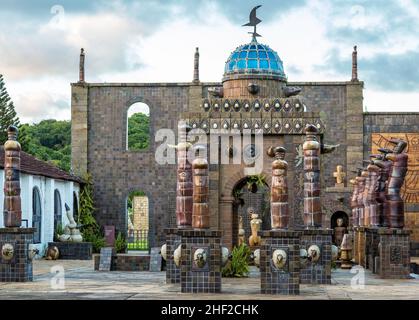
x=36, y=214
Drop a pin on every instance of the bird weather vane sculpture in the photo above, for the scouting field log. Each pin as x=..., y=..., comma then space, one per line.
x=253, y=21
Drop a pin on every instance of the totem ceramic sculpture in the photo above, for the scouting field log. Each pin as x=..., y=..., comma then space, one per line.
x=371, y=195
x=12, y=200
x=384, y=173
x=354, y=202
x=312, y=205
x=360, y=197
x=71, y=232
x=255, y=225
x=395, y=204
x=279, y=189
x=200, y=209
x=365, y=196
x=184, y=189
x=241, y=231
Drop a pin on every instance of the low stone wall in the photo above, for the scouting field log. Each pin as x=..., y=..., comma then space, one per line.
x=126, y=262
x=73, y=250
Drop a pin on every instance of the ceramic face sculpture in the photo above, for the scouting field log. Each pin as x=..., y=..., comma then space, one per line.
x=335, y=252
x=7, y=251
x=32, y=251
x=256, y=257
x=224, y=255
x=303, y=257
x=177, y=254
x=200, y=257
x=313, y=253
x=279, y=258
x=163, y=252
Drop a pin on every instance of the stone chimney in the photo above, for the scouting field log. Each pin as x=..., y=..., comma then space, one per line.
x=81, y=67
x=354, y=65
x=196, y=67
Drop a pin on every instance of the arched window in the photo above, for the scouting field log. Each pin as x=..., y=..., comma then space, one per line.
x=138, y=126
x=75, y=207
x=36, y=214
x=58, y=213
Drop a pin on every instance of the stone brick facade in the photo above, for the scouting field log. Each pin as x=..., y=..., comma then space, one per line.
x=99, y=129
x=140, y=212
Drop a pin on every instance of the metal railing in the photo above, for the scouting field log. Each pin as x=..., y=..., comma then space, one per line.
x=137, y=240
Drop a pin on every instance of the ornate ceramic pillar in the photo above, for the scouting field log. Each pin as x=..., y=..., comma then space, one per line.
x=395, y=203
x=279, y=189
x=354, y=202
x=312, y=205
x=365, y=198
x=200, y=209
x=12, y=201
x=184, y=188
x=360, y=198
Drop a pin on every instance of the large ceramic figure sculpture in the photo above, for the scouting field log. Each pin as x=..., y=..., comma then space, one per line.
x=312, y=205
x=340, y=231
x=354, y=202
x=184, y=188
x=71, y=232
x=371, y=195
x=279, y=189
x=200, y=209
x=365, y=197
x=395, y=204
x=12, y=200
x=384, y=172
x=360, y=180
x=255, y=225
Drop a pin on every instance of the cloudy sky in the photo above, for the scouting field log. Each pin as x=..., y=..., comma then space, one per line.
x=154, y=41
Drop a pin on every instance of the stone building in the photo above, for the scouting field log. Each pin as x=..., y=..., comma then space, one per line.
x=254, y=94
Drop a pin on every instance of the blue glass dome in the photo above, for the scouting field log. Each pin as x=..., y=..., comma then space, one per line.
x=255, y=58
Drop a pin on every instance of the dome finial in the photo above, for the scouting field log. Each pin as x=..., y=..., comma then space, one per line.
x=253, y=21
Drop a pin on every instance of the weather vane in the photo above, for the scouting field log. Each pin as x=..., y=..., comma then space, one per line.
x=253, y=21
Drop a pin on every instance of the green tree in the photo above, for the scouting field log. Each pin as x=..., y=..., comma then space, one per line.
x=138, y=131
x=8, y=114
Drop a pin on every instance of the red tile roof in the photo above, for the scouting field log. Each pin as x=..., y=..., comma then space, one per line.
x=31, y=165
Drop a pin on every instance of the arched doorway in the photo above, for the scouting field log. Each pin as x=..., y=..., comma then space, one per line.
x=138, y=224
x=250, y=192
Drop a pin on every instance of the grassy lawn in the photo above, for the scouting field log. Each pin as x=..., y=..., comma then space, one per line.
x=138, y=245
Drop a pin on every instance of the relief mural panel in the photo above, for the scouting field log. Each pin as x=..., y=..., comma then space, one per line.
x=410, y=190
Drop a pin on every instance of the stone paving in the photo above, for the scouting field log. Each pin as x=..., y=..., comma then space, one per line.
x=82, y=282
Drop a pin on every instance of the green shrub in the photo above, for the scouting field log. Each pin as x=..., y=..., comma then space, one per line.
x=238, y=266
x=97, y=240
x=120, y=243
x=58, y=231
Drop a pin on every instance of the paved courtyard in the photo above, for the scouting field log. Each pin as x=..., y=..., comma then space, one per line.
x=82, y=282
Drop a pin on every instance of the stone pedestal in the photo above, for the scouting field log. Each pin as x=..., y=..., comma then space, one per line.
x=371, y=248
x=360, y=246
x=200, y=278
x=285, y=280
x=173, y=240
x=319, y=272
x=394, y=256
x=19, y=267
